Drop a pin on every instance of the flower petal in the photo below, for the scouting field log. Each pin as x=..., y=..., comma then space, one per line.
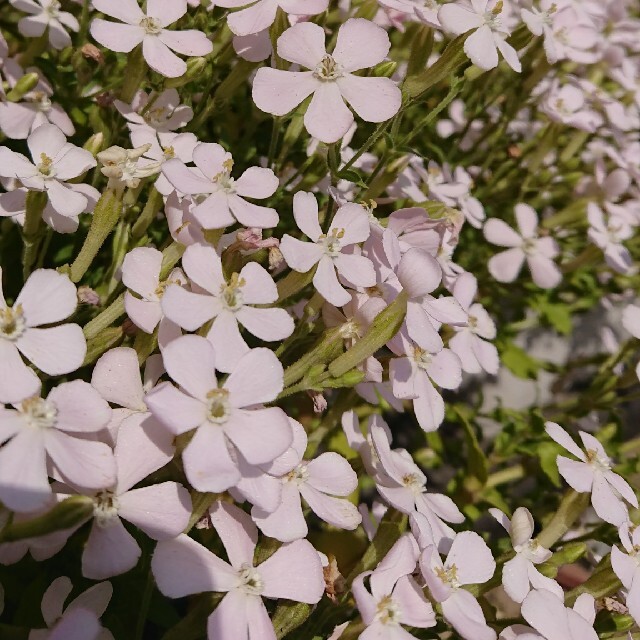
x=360, y=44
x=161, y=510
x=56, y=350
x=182, y=567
x=47, y=297
x=328, y=118
x=109, y=551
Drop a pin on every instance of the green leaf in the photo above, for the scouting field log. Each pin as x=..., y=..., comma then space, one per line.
x=547, y=453
x=519, y=362
x=477, y=465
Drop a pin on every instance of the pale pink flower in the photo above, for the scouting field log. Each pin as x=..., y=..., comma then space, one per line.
x=592, y=473
x=547, y=614
x=526, y=245
x=402, y=484
x=541, y=23
x=164, y=146
x=568, y=105
x=608, y=233
x=258, y=16
x=44, y=437
x=412, y=376
x=360, y=44
x=438, y=182
x=116, y=377
x=261, y=484
x=490, y=33
x=470, y=343
x=46, y=14
x=183, y=567
x=19, y=119
x=160, y=511
x=14, y=204
x=349, y=226
x=79, y=619
x=55, y=162
x=469, y=561
x=184, y=228
x=46, y=298
x=317, y=481
x=626, y=565
x=420, y=274
x=226, y=425
x=393, y=597
x=223, y=197
x=162, y=113
x=519, y=574
x=158, y=43
x=572, y=37
x=228, y=302
x=141, y=274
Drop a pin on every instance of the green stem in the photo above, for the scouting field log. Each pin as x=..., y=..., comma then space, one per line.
x=31, y=231
x=105, y=318
x=105, y=217
x=570, y=509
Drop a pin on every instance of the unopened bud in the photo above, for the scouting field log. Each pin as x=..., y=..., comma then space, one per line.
x=319, y=401
x=276, y=259
x=385, y=69
x=86, y=295
x=94, y=143
x=27, y=83
x=195, y=67
x=91, y=51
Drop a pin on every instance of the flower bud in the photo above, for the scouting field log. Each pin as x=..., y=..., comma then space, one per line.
x=385, y=69
x=94, y=143
x=195, y=67
x=27, y=83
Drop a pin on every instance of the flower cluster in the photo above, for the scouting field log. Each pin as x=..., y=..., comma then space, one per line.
x=270, y=355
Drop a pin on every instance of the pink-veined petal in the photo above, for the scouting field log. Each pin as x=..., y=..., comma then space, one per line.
x=237, y=532
x=47, y=297
x=161, y=59
x=160, y=510
x=373, y=99
x=56, y=350
x=207, y=462
x=190, y=361
x=294, y=571
x=360, y=44
x=183, y=567
x=110, y=551
x=122, y=38
x=328, y=118
x=303, y=44
x=257, y=378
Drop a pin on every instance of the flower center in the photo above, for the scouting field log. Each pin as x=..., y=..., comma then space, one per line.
x=105, y=508
x=472, y=322
x=492, y=18
x=299, y=475
x=350, y=330
x=53, y=9
x=328, y=69
x=151, y=26
x=448, y=575
x=46, y=166
x=169, y=153
x=224, y=179
x=422, y=358
x=332, y=242
x=414, y=482
x=603, y=464
x=39, y=413
x=12, y=322
x=250, y=581
x=41, y=101
x=218, y=406
x=155, y=116
x=388, y=611
x=231, y=293
x=529, y=245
